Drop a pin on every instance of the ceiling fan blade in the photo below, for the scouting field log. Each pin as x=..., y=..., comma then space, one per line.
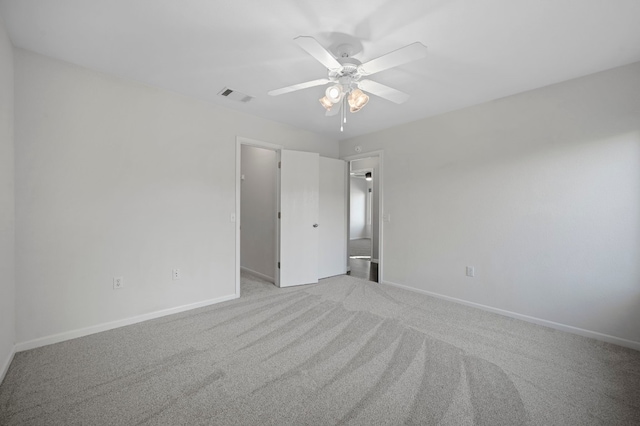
x=299, y=86
x=398, y=57
x=315, y=49
x=383, y=91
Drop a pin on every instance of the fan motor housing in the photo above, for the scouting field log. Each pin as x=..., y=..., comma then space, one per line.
x=349, y=69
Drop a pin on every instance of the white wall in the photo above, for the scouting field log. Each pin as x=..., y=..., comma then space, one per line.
x=539, y=191
x=357, y=208
x=7, y=207
x=258, y=211
x=115, y=178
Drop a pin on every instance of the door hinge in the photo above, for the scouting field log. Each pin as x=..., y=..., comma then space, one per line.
x=279, y=164
x=278, y=265
x=279, y=215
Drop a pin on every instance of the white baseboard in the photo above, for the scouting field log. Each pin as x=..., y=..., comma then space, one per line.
x=257, y=274
x=7, y=363
x=73, y=334
x=557, y=326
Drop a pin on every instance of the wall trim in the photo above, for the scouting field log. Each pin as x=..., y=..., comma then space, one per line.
x=81, y=332
x=539, y=321
x=257, y=274
x=7, y=363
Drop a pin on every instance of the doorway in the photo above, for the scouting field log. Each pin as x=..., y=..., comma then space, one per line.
x=258, y=212
x=305, y=192
x=364, y=230
x=255, y=217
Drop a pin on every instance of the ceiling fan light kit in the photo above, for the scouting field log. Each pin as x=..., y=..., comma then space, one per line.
x=357, y=99
x=346, y=74
x=334, y=93
x=326, y=103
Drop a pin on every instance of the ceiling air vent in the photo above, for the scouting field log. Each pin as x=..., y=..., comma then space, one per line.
x=234, y=95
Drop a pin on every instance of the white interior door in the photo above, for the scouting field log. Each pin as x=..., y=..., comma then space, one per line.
x=299, y=209
x=332, y=256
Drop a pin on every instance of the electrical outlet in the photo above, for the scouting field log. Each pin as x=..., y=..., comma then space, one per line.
x=471, y=271
x=118, y=282
x=175, y=273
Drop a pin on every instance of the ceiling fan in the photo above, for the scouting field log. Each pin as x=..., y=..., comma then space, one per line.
x=348, y=76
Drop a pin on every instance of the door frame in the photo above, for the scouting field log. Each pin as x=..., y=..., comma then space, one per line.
x=380, y=155
x=241, y=140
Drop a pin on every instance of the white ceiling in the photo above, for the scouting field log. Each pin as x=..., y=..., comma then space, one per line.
x=479, y=50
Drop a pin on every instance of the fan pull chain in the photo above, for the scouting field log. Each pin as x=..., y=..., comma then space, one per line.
x=341, y=119
x=344, y=114
x=344, y=108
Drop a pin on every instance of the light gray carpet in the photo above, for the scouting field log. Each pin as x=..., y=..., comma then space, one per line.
x=360, y=247
x=345, y=351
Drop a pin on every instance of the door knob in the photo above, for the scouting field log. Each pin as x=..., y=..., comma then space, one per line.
x=315, y=225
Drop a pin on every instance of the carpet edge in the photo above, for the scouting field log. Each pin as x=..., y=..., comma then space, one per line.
x=81, y=332
x=257, y=274
x=7, y=363
x=631, y=344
